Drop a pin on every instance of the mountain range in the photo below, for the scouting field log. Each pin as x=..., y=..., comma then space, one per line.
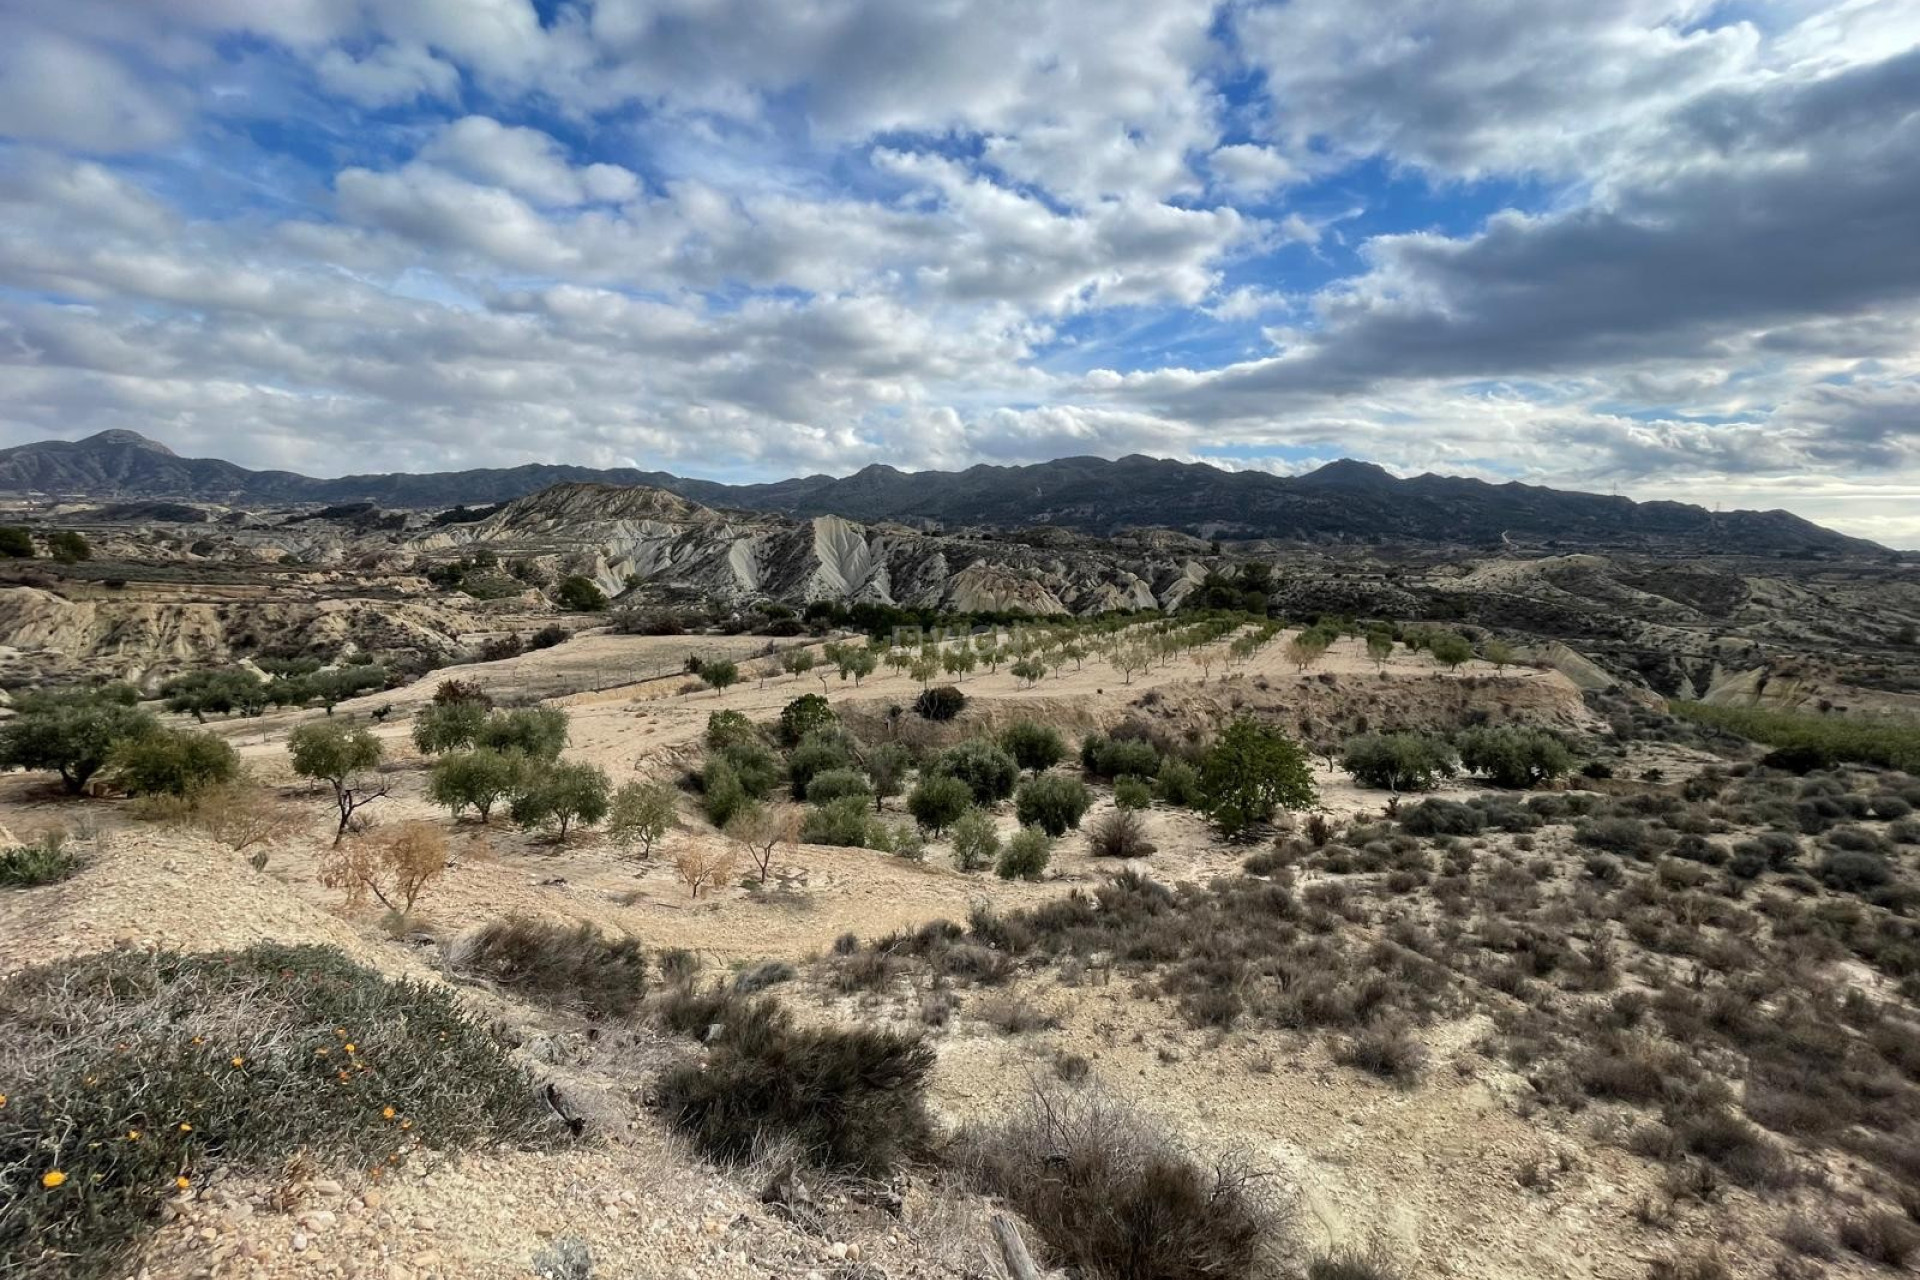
x=1343, y=502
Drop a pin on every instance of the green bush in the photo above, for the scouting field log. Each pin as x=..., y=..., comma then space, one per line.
x=16, y=543
x=68, y=546
x=1025, y=855
x=835, y=784
x=1889, y=743
x=1178, y=783
x=641, y=813
x=173, y=762
x=228, y=1059
x=1132, y=793
x=852, y=1099
x=560, y=796
x=1513, y=757
x=203, y=693
x=29, y=866
x=454, y=725
x=988, y=771
x=722, y=796
x=822, y=751
x=975, y=841
x=757, y=767
x=572, y=966
x=1034, y=747
x=938, y=801
x=1052, y=802
x=886, y=764
x=846, y=822
x=579, y=595
x=1249, y=773
x=805, y=715
x=538, y=733
x=1399, y=761
x=727, y=729
x=1105, y=757
x=942, y=702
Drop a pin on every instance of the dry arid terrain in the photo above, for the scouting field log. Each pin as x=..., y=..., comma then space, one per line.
x=1345, y=947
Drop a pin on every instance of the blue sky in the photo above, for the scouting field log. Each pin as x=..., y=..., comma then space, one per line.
x=1659, y=246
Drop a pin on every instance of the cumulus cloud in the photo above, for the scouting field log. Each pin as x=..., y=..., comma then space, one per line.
x=1659, y=244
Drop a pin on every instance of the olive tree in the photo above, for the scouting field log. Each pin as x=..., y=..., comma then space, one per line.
x=341, y=756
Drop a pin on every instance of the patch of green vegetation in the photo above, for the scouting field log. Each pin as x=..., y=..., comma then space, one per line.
x=1892, y=744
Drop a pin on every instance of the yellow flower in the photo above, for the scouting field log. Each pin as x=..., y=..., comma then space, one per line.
x=183, y=1182
x=3, y=1099
x=185, y=1127
x=52, y=1178
x=197, y=1040
x=133, y=1135
x=239, y=1061
x=386, y=1113
x=349, y=1046
x=406, y=1124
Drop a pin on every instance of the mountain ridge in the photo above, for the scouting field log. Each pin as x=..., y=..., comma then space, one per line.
x=1346, y=501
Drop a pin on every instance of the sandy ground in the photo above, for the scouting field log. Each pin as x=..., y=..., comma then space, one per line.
x=1416, y=1171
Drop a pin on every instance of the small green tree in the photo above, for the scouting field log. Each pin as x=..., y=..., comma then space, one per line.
x=538, y=733
x=856, y=662
x=1499, y=653
x=797, y=662
x=1307, y=648
x=1053, y=802
x=818, y=752
x=336, y=684
x=1399, y=761
x=476, y=779
x=16, y=543
x=71, y=732
x=886, y=765
x=803, y=716
x=988, y=771
x=727, y=730
x=174, y=762
x=1450, y=649
x=641, y=814
x=1514, y=757
x=938, y=800
x=721, y=792
x=720, y=674
x=68, y=546
x=1250, y=772
x=201, y=693
x=1034, y=747
x=1031, y=670
x=1379, y=647
x=1025, y=856
x=837, y=784
x=975, y=841
x=561, y=796
x=578, y=594
x=448, y=726
x=339, y=755
x=1132, y=793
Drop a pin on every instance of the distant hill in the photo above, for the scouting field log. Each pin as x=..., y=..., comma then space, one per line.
x=1342, y=502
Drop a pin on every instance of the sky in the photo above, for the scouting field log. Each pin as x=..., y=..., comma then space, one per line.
x=1665, y=248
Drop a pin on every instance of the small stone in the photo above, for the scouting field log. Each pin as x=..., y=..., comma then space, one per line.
x=299, y=1242
x=372, y=1199
x=853, y=1253
x=426, y=1258
x=838, y=1250
x=326, y=1187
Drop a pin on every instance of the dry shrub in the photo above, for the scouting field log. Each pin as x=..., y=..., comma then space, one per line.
x=1386, y=1049
x=763, y=829
x=848, y=1099
x=240, y=815
x=394, y=867
x=701, y=866
x=1119, y=834
x=1113, y=1197
x=1880, y=1236
x=559, y=964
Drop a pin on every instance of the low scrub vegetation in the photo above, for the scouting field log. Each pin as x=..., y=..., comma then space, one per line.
x=1112, y=1195
x=852, y=1100
x=46, y=861
x=133, y=1075
x=569, y=966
